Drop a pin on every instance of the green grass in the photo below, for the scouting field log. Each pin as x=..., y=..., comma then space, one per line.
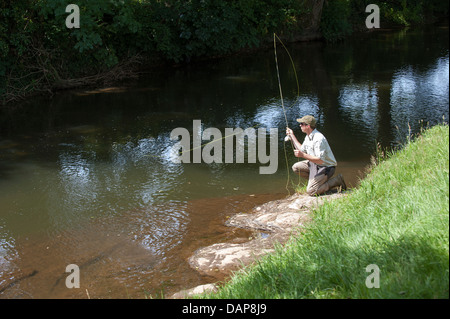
x=398, y=219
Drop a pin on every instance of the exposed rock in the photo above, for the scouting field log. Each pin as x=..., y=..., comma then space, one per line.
x=277, y=220
x=223, y=258
x=280, y=215
x=269, y=221
x=194, y=291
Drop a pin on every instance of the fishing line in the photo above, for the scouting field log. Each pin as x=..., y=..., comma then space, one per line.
x=292, y=62
x=215, y=140
x=204, y=144
x=275, y=37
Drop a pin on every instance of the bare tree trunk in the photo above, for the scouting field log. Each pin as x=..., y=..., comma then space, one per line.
x=316, y=13
x=311, y=23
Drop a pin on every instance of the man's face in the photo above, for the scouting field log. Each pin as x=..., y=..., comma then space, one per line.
x=304, y=127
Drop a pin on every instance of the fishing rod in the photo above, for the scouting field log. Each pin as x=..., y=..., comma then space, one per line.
x=287, y=138
x=275, y=37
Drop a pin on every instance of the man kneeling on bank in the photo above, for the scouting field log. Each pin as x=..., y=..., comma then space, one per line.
x=319, y=164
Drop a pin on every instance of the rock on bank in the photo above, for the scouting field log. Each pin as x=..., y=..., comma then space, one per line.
x=275, y=221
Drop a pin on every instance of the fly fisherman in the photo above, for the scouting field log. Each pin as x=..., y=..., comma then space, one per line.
x=319, y=164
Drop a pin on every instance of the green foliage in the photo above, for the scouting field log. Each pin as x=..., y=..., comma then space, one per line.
x=335, y=24
x=181, y=30
x=403, y=12
x=106, y=28
x=34, y=36
x=38, y=50
x=340, y=17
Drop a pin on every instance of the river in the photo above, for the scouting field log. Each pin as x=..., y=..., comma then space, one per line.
x=88, y=177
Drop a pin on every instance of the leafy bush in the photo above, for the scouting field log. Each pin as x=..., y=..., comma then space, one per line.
x=402, y=12
x=335, y=24
x=37, y=50
x=184, y=29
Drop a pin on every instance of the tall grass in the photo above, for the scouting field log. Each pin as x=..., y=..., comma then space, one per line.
x=398, y=219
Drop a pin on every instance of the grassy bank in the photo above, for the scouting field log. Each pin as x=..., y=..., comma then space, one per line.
x=398, y=219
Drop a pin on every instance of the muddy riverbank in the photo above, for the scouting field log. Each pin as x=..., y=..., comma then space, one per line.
x=273, y=223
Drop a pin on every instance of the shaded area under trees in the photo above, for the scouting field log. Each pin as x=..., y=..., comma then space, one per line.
x=38, y=53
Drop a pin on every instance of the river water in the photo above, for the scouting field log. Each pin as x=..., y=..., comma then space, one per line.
x=88, y=177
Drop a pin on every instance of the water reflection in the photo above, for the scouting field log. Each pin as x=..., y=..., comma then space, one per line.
x=78, y=179
x=7, y=254
x=92, y=177
x=359, y=105
x=159, y=228
x=418, y=96
x=272, y=113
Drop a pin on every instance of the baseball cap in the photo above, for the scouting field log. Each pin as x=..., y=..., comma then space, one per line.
x=308, y=119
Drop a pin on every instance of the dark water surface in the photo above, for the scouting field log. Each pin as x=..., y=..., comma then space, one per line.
x=88, y=177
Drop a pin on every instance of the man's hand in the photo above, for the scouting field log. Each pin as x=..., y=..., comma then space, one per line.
x=291, y=136
x=289, y=132
x=298, y=153
x=306, y=156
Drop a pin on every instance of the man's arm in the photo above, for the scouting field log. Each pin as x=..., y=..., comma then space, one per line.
x=290, y=133
x=298, y=145
x=311, y=158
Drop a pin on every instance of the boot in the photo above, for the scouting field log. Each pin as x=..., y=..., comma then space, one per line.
x=337, y=181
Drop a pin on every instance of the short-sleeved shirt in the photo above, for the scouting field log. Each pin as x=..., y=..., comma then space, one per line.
x=316, y=144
